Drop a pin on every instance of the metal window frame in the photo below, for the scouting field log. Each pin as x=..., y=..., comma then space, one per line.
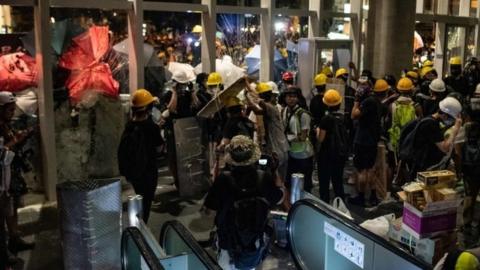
x=18, y=3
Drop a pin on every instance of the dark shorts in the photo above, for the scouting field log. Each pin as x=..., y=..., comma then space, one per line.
x=365, y=156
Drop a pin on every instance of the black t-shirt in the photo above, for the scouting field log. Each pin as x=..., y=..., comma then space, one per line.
x=184, y=104
x=458, y=84
x=222, y=195
x=327, y=123
x=152, y=139
x=238, y=125
x=318, y=109
x=426, y=138
x=369, y=126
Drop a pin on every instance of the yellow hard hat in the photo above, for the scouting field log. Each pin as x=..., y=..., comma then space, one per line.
x=466, y=261
x=263, y=87
x=425, y=70
x=214, y=79
x=197, y=29
x=381, y=86
x=332, y=98
x=412, y=74
x=320, y=79
x=455, y=61
x=340, y=72
x=427, y=63
x=142, y=98
x=404, y=85
x=327, y=71
x=231, y=102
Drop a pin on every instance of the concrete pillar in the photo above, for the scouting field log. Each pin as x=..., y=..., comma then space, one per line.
x=45, y=97
x=135, y=46
x=440, y=37
x=393, y=42
x=266, y=41
x=356, y=29
x=209, y=26
x=370, y=36
x=314, y=20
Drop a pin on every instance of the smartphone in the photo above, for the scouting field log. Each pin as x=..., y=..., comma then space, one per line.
x=263, y=161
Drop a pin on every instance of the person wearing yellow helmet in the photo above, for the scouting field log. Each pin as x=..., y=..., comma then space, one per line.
x=317, y=107
x=327, y=71
x=455, y=80
x=237, y=122
x=276, y=144
x=332, y=147
x=137, y=152
x=458, y=259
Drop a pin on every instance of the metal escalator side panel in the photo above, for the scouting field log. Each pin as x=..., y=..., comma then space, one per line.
x=136, y=252
x=322, y=239
x=175, y=239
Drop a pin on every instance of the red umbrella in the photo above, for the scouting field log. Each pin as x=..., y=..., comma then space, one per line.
x=83, y=59
x=18, y=72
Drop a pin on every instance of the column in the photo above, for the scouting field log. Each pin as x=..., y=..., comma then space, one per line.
x=45, y=97
x=356, y=7
x=135, y=46
x=440, y=37
x=314, y=20
x=394, y=27
x=266, y=41
x=209, y=24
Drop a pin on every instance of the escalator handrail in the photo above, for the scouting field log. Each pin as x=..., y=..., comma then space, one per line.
x=145, y=250
x=187, y=237
x=317, y=206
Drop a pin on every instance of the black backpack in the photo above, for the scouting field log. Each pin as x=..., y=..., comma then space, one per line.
x=471, y=147
x=132, y=153
x=407, y=150
x=339, y=137
x=248, y=215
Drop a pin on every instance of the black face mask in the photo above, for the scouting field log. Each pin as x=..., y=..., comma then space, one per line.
x=455, y=71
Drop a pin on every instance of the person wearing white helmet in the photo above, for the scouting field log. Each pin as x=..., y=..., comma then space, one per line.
x=430, y=142
x=180, y=102
x=428, y=105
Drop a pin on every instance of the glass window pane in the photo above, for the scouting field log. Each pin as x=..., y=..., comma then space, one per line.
x=178, y=1
x=429, y=6
x=337, y=28
x=244, y=3
x=473, y=8
x=89, y=73
x=455, y=44
x=238, y=35
x=338, y=6
x=295, y=4
x=17, y=52
x=454, y=7
x=424, y=34
x=288, y=29
x=470, y=49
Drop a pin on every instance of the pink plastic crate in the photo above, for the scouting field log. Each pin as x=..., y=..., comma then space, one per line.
x=428, y=223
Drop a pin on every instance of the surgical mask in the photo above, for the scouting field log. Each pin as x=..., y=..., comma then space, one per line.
x=450, y=121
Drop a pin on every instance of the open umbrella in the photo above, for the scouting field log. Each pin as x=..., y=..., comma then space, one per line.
x=216, y=103
x=62, y=34
x=87, y=72
x=230, y=73
x=18, y=71
x=155, y=73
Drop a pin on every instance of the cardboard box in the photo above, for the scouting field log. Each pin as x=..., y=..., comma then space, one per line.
x=444, y=194
x=434, y=218
x=429, y=250
x=436, y=179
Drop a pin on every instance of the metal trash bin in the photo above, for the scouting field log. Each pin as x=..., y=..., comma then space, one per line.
x=90, y=223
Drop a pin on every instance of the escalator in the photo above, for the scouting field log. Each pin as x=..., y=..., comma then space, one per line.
x=322, y=238
x=176, y=250
x=319, y=237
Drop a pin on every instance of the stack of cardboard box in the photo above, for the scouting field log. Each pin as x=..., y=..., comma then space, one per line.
x=429, y=214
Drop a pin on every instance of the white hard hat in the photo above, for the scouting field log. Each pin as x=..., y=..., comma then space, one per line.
x=180, y=76
x=437, y=85
x=274, y=87
x=6, y=98
x=451, y=106
x=477, y=90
